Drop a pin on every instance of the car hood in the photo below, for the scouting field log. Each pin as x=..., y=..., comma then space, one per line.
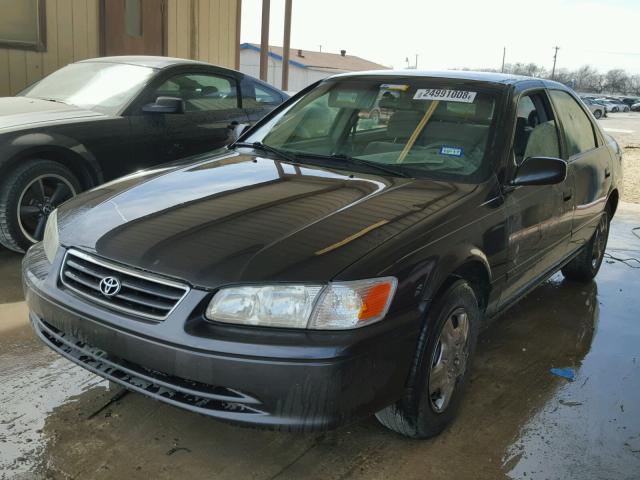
x=243, y=218
x=18, y=112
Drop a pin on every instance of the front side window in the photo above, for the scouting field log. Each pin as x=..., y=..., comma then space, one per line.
x=536, y=132
x=422, y=127
x=578, y=130
x=104, y=87
x=200, y=92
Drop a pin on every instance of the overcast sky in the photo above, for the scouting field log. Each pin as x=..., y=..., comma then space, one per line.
x=461, y=33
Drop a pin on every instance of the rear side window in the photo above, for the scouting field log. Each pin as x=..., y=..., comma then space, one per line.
x=578, y=130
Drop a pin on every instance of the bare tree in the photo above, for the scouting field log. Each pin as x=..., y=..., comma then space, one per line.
x=617, y=80
x=584, y=79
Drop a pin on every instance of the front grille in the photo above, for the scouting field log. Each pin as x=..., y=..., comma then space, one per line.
x=140, y=294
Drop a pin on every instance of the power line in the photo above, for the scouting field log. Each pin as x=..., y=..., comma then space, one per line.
x=555, y=56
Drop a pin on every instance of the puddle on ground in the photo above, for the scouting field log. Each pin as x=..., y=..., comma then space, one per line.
x=35, y=381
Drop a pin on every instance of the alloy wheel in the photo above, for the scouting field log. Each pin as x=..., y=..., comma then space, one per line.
x=449, y=359
x=38, y=199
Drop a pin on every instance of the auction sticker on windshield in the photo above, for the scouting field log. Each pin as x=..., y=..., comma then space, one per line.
x=446, y=95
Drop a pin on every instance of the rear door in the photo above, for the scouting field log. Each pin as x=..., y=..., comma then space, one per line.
x=589, y=165
x=539, y=216
x=212, y=106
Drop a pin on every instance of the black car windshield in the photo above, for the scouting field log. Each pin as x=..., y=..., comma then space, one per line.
x=422, y=127
x=104, y=87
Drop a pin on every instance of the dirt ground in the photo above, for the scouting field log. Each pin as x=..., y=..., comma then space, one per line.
x=625, y=128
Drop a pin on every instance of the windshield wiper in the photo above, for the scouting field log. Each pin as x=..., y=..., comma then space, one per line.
x=396, y=171
x=267, y=148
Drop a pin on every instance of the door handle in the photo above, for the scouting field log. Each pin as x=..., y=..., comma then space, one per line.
x=607, y=173
x=566, y=196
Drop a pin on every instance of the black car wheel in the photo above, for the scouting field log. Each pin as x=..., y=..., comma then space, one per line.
x=626, y=109
x=28, y=195
x=597, y=114
x=615, y=110
x=585, y=266
x=441, y=369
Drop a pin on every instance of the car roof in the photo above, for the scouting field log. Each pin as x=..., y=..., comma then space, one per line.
x=489, y=77
x=145, y=61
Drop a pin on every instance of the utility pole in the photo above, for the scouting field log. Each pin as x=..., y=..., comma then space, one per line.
x=286, y=44
x=264, y=40
x=555, y=56
x=504, y=55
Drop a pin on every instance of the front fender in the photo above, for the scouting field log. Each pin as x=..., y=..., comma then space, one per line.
x=59, y=147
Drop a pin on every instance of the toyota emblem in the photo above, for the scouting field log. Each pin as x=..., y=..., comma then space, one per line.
x=110, y=286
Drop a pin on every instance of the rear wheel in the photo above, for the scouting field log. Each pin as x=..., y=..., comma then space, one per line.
x=615, y=109
x=441, y=369
x=597, y=114
x=28, y=195
x=585, y=266
x=626, y=109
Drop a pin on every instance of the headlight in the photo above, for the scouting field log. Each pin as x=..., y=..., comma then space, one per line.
x=50, y=241
x=336, y=306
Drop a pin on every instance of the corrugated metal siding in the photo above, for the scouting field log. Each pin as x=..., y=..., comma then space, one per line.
x=203, y=30
x=72, y=35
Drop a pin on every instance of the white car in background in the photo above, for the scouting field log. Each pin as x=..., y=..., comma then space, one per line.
x=597, y=109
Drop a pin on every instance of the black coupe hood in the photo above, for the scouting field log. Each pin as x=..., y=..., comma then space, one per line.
x=241, y=218
x=23, y=111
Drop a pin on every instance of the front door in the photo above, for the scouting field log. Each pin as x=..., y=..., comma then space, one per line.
x=211, y=108
x=540, y=216
x=133, y=27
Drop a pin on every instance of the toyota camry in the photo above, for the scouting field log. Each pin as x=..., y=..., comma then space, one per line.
x=329, y=265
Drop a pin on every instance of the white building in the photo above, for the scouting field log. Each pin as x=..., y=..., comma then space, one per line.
x=305, y=66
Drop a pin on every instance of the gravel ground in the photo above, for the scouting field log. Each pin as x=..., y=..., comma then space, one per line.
x=625, y=128
x=631, y=183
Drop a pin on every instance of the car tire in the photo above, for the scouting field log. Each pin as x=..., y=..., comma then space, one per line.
x=441, y=367
x=615, y=110
x=585, y=266
x=626, y=109
x=597, y=114
x=28, y=194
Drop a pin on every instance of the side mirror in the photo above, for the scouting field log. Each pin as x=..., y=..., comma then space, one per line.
x=165, y=105
x=540, y=171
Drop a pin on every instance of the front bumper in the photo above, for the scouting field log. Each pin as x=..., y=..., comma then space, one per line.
x=291, y=380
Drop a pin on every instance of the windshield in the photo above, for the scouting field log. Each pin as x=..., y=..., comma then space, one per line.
x=417, y=127
x=104, y=87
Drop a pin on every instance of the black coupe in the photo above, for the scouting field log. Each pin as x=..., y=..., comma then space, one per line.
x=99, y=119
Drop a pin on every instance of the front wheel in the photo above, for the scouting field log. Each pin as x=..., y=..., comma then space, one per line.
x=626, y=109
x=615, y=109
x=585, y=266
x=597, y=114
x=441, y=368
x=29, y=193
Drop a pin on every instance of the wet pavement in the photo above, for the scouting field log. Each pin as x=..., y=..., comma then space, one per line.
x=517, y=420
